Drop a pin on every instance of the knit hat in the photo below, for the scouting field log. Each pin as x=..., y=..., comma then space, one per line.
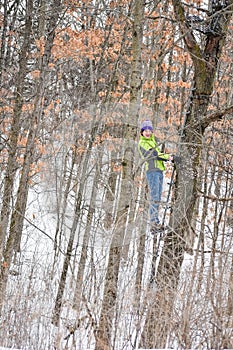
x=146, y=125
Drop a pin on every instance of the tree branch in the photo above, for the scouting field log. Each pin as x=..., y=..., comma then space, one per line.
x=210, y=118
x=214, y=198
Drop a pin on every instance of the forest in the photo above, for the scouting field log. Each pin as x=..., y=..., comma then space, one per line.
x=80, y=269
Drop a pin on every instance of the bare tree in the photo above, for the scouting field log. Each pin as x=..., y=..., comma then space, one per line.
x=180, y=238
x=13, y=210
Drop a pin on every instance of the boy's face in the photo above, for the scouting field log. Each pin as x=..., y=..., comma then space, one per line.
x=147, y=133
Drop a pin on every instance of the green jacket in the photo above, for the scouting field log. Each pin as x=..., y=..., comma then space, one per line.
x=151, y=154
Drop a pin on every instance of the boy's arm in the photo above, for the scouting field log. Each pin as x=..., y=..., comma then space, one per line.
x=148, y=154
x=164, y=157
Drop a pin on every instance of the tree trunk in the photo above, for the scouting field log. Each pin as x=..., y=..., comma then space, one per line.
x=103, y=338
x=12, y=219
x=79, y=289
x=62, y=282
x=181, y=234
x=15, y=130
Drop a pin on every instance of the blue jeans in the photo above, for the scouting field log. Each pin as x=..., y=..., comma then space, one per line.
x=155, y=182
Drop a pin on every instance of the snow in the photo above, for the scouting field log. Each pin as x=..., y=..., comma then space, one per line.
x=12, y=348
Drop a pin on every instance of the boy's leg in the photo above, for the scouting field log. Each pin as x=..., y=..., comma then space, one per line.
x=155, y=182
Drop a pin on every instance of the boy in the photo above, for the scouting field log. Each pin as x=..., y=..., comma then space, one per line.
x=155, y=167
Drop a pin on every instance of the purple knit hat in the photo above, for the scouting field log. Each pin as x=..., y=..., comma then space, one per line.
x=146, y=125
